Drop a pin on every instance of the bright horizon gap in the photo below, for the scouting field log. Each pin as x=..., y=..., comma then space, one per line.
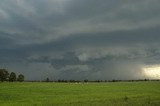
x=152, y=71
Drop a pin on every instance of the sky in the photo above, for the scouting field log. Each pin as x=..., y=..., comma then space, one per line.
x=80, y=39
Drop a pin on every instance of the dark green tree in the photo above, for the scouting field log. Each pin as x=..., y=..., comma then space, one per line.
x=85, y=80
x=12, y=77
x=47, y=79
x=4, y=75
x=20, y=77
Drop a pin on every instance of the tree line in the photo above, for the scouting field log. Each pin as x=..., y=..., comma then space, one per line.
x=6, y=76
x=97, y=81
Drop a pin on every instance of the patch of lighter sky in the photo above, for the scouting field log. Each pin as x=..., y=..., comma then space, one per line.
x=152, y=71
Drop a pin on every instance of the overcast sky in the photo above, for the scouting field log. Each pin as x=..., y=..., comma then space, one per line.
x=79, y=39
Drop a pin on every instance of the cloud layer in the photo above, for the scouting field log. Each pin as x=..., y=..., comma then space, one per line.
x=79, y=39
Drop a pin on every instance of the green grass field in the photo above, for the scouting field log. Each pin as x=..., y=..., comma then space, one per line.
x=82, y=94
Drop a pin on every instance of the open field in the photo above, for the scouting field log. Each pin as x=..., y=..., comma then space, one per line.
x=82, y=94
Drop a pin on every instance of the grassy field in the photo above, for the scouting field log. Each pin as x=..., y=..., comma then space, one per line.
x=82, y=94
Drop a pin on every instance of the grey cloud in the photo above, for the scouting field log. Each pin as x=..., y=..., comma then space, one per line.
x=37, y=21
x=79, y=39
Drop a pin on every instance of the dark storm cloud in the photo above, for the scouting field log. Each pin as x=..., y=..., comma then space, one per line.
x=79, y=39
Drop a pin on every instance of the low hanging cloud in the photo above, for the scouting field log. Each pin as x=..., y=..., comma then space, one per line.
x=70, y=39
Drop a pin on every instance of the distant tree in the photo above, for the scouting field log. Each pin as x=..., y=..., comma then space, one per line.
x=65, y=81
x=12, y=77
x=47, y=79
x=20, y=77
x=98, y=81
x=4, y=75
x=72, y=81
x=86, y=80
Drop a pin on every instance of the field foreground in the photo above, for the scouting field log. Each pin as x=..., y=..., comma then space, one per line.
x=80, y=94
